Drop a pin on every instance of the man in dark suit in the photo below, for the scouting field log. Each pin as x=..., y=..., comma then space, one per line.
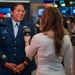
x=12, y=45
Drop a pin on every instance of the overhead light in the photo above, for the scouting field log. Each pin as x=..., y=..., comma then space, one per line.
x=63, y=4
x=55, y=5
x=71, y=2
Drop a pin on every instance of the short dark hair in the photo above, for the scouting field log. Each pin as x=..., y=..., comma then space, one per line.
x=14, y=5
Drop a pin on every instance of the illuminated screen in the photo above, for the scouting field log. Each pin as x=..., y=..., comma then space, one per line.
x=63, y=10
x=67, y=10
x=48, y=1
x=73, y=10
x=5, y=12
x=40, y=11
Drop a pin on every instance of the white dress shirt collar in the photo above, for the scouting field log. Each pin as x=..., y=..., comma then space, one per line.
x=14, y=23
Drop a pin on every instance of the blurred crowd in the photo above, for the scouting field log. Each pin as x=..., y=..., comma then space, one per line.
x=68, y=23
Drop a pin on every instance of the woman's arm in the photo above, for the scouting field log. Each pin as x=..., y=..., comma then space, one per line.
x=68, y=56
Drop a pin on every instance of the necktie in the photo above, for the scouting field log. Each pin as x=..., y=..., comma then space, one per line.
x=16, y=24
x=16, y=29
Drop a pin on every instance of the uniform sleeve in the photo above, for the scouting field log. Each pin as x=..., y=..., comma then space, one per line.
x=32, y=49
x=2, y=55
x=68, y=55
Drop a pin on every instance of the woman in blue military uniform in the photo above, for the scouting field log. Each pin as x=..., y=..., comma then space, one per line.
x=12, y=44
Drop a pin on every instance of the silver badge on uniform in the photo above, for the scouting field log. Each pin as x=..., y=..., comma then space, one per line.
x=5, y=31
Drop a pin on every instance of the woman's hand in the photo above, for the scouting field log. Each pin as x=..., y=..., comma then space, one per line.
x=11, y=66
x=26, y=38
x=19, y=68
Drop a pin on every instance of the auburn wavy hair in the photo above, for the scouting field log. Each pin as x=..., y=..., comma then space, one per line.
x=52, y=18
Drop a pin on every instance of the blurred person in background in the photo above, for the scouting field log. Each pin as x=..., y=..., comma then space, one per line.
x=64, y=22
x=70, y=21
x=38, y=23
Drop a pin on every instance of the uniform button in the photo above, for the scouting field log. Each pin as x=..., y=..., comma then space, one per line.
x=5, y=30
x=14, y=54
x=3, y=37
x=14, y=47
x=15, y=41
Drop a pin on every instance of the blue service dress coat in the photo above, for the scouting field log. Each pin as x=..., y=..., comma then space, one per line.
x=13, y=49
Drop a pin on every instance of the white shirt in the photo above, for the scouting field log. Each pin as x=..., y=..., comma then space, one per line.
x=48, y=62
x=15, y=27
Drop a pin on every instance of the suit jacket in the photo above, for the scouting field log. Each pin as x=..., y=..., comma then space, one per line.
x=13, y=49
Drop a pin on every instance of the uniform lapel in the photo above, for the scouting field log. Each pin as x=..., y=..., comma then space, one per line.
x=10, y=28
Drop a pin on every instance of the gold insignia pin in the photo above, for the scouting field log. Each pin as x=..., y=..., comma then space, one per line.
x=31, y=58
x=3, y=56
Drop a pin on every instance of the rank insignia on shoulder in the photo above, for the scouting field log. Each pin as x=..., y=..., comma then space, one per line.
x=31, y=58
